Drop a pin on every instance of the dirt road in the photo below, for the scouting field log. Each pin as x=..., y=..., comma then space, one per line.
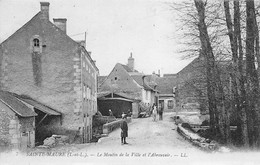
x=146, y=139
x=149, y=143
x=145, y=134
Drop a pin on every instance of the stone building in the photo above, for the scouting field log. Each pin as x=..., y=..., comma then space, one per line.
x=191, y=91
x=191, y=87
x=17, y=123
x=166, y=87
x=42, y=62
x=125, y=81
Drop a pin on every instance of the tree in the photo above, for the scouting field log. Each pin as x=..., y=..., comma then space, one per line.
x=252, y=77
x=241, y=105
x=219, y=121
x=236, y=74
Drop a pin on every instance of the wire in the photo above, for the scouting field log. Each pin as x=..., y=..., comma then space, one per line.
x=77, y=34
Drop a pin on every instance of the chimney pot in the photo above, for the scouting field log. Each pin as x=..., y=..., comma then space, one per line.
x=45, y=10
x=61, y=23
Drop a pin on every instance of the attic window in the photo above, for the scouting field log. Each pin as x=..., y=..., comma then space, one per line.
x=36, y=42
x=115, y=78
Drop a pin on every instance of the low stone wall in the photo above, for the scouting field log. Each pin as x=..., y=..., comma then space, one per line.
x=109, y=127
x=101, y=120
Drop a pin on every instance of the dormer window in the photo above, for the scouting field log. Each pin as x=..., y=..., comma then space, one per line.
x=36, y=42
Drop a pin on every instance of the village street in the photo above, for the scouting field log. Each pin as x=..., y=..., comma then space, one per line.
x=147, y=136
x=149, y=142
x=144, y=136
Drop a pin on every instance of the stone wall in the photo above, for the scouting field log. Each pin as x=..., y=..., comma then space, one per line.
x=60, y=78
x=12, y=129
x=191, y=86
x=8, y=124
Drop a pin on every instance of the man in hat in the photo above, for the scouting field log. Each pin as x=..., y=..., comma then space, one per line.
x=124, y=130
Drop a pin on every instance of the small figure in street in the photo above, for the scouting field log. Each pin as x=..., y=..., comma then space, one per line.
x=154, y=112
x=160, y=113
x=124, y=130
x=110, y=112
x=129, y=113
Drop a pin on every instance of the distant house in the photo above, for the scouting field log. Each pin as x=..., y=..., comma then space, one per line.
x=124, y=79
x=191, y=87
x=117, y=102
x=42, y=62
x=191, y=91
x=166, y=87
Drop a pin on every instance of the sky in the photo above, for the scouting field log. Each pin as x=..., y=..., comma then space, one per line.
x=114, y=29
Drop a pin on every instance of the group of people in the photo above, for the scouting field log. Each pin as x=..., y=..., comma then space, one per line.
x=157, y=111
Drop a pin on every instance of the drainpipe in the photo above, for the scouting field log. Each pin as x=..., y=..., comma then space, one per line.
x=143, y=84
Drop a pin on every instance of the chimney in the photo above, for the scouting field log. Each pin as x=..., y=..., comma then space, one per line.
x=89, y=53
x=45, y=10
x=61, y=23
x=131, y=62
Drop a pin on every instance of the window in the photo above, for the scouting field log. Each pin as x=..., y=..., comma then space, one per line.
x=170, y=104
x=84, y=91
x=36, y=42
x=115, y=78
x=87, y=92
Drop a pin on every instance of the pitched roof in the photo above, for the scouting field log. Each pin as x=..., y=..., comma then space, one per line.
x=166, y=84
x=139, y=80
x=101, y=79
x=37, y=16
x=44, y=108
x=36, y=104
x=120, y=94
x=169, y=75
x=25, y=25
x=16, y=105
x=194, y=65
x=128, y=69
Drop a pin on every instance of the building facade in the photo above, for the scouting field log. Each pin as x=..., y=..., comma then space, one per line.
x=191, y=92
x=124, y=79
x=17, y=125
x=41, y=61
x=166, y=87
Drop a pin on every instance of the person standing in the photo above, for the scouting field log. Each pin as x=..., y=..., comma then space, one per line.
x=154, y=112
x=124, y=130
x=160, y=113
